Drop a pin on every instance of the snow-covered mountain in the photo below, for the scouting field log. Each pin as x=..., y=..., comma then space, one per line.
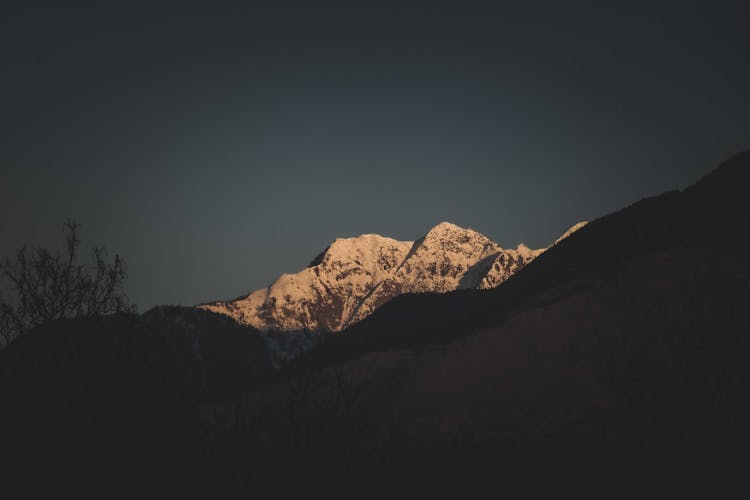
x=354, y=276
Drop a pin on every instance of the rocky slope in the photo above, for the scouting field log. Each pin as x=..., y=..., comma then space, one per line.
x=354, y=276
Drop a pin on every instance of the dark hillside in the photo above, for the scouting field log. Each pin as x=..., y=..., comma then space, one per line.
x=84, y=400
x=599, y=249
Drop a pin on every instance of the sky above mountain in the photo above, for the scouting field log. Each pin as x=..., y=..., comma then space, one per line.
x=216, y=146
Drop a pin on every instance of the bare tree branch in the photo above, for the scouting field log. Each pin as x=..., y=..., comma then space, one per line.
x=44, y=286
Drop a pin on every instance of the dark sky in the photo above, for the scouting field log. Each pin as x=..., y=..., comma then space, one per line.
x=217, y=147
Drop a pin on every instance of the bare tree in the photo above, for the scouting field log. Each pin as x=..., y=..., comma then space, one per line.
x=42, y=285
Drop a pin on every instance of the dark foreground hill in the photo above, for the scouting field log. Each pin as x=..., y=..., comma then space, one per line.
x=625, y=347
x=95, y=401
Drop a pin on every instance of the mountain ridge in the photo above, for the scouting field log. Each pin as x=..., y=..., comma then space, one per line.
x=647, y=226
x=354, y=276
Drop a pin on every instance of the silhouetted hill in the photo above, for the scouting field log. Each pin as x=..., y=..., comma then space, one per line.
x=85, y=399
x=599, y=249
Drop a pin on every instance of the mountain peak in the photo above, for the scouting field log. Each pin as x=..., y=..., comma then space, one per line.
x=452, y=234
x=446, y=226
x=449, y=228
x=571, y=230
x=354, y=276
x=370, y=241
x=355, y=248
x=522, y=249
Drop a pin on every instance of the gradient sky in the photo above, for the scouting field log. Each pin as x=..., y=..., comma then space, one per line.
x=216, y=147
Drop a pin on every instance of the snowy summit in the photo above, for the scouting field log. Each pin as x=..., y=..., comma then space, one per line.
x=355, y=276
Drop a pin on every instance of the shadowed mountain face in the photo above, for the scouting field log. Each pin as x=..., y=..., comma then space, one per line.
x=355, y=276
x=597, y=250
x=626, y=340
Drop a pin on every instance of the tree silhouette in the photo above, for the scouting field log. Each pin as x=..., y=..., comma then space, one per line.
x=42, y=285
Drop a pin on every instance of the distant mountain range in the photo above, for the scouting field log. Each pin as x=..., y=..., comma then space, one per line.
x=623, y=349
x=355, y=276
